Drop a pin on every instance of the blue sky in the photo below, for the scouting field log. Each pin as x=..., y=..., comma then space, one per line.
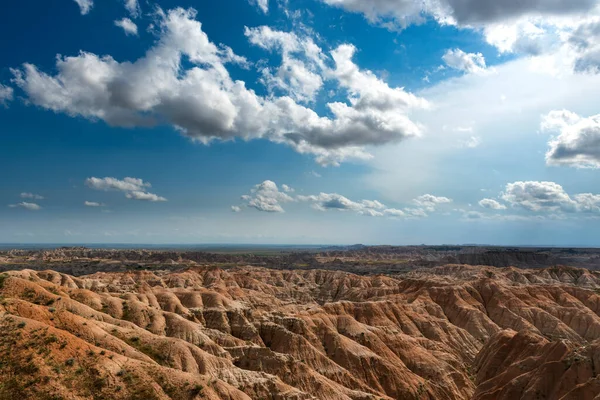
x=309, y=121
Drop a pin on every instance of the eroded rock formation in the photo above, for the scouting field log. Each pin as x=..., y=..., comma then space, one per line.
x=452, y=332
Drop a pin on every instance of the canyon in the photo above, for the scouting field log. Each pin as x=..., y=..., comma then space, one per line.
x=173, y=329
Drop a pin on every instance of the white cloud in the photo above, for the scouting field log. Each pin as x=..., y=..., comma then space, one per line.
x=126, y=185
x=134, y=188
x=85, y=6
x=204, y=103
x=287, y=189
x=262, y=4
x=400, y=13
x=6, y=95
x=93, y=204
x=472, y=63
x=492, y=204
x=487, y=11
x=32, y=196
x=27, y=206
x=334, y=201
x=538, y=196
x=390, y=13
x=587, y=202
x=377, y=113
x=532, y=27
x=393, y=212
x=133, y=8
x=267, y=197
x=128, y=26
x=532, y=36
x=301, y=60
x=578, y=141
x=585, y=39
x=549, y=197
x=371, y=208
x=144, y=196
x=430, y=202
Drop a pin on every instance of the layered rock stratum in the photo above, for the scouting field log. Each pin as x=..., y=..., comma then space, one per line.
x=246, y=332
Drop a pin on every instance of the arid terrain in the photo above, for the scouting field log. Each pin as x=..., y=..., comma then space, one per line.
x=336, y=324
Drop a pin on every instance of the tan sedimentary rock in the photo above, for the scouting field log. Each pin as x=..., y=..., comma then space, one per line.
x=452, y=332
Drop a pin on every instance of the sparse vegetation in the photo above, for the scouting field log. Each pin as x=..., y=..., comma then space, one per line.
x=3, y=278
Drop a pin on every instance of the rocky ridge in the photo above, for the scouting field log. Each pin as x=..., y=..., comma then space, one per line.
x=451, y=332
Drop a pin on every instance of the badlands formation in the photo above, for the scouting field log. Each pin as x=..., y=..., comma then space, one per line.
x=250, y=332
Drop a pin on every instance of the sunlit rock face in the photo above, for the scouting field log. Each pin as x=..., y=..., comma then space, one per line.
x=451, y=332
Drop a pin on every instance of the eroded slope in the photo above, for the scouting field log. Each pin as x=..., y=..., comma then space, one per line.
x=453, y=332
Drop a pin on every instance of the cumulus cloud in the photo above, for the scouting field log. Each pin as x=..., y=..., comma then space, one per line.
x=134, y=188
x=471, y=63
x=585, y=40
x=26, y=205
x=267, y=197
x=486, y=11
x=109, y=183
x=128, y=26
x=546, y=200
x=370, y=208
x=415, y=212
x=85, y=6
x=144, y=196
x=587, y=202
x=430, y=202
x=532, y=36
x=202, y=101
x=32, y=196
x=577, y=143
x=390, y=13
x=377, y=113
x=546, y=196
x=93, y=204
x=394, y=212
x=492, y=204
x=301, y=61
x=334, y=201
x=6, y=95
x=133, y=8
x=400, y=13
x=530, y=27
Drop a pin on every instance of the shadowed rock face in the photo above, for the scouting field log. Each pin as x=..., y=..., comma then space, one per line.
x=452, y=332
